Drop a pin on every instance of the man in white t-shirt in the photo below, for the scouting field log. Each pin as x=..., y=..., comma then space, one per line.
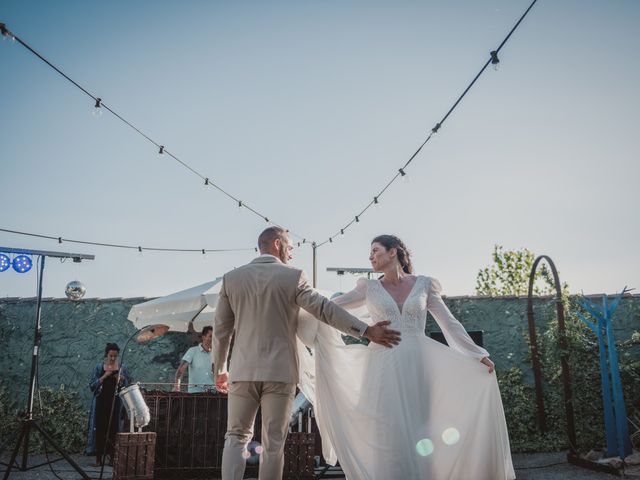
x=199, y=361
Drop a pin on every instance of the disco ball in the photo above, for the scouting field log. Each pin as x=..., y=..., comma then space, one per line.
x=75, y=290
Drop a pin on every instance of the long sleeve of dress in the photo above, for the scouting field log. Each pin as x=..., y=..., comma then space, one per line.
x=94, y=383
x=355, y=298
x=308, y=324
x=455, y=334
x=327, y=311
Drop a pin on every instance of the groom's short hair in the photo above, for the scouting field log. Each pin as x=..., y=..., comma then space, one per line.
x=269, y=235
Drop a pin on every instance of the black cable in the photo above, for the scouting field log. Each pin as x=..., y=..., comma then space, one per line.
x=401, y=172
x=100, y=104
x=130, y=247
x=541, y=466
x=492, y=60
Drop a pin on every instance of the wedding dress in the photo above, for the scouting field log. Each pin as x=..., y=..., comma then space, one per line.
x=420, y=410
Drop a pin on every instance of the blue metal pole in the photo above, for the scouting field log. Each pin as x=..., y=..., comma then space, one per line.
x=624, y=443
x=609, y=419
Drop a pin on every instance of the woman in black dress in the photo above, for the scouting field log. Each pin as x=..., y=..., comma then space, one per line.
x=103, y=385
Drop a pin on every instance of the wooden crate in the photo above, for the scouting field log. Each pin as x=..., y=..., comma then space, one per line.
x=134, y=456
x=299, y=451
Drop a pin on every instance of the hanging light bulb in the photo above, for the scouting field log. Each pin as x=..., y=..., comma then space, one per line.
x=405, y=177
x=161, y=150
x=97, y=108
x=239, y=206
x=376, y=203
x=495, y=61
x=7, y=36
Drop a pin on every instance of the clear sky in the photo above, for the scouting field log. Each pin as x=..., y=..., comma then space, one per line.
x=304, y=110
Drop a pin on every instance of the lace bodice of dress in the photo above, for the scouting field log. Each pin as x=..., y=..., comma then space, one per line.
x=409, y=318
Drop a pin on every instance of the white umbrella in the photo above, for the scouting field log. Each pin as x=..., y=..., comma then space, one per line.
x=184, y=311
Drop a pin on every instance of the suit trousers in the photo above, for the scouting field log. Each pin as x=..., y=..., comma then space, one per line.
x=275, y=400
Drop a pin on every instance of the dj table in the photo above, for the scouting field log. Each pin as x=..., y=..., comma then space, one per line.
x=190, y=430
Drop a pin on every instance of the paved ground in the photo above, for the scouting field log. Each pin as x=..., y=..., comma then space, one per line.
x=536, y=466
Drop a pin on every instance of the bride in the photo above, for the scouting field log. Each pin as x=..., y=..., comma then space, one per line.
x=420, y=410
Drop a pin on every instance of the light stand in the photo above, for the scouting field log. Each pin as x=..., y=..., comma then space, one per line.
x=29, y=424
x=144, y=334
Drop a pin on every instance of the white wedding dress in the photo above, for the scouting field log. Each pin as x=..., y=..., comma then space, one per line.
x=420, y=410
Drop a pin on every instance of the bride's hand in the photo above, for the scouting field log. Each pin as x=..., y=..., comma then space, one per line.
x=488, y=363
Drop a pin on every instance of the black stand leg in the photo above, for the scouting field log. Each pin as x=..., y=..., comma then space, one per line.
x=64, y=454
x=15, y=451
x=23, y=441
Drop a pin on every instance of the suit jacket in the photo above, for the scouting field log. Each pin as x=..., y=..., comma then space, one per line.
x=261, y=301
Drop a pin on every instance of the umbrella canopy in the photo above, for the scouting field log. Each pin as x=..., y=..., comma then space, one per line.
x=185, y=311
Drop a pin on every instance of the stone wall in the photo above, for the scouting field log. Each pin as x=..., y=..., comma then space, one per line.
x=74, y=335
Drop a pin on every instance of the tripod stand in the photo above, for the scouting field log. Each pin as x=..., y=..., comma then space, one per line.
x=29, y=424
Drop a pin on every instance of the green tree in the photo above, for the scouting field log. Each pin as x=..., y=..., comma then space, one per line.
x=509, y=274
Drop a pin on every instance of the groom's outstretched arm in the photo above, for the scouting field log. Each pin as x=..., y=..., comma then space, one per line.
x=223, y=325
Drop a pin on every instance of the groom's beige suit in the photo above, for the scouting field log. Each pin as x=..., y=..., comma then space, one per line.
x=260, y=301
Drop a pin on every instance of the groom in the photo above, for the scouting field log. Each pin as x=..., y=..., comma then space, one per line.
x=260, y=301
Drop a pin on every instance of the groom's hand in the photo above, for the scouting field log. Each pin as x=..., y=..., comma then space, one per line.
x=379, y=333
x=222, y=383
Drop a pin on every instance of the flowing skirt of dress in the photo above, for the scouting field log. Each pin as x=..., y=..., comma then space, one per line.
x=416, y=411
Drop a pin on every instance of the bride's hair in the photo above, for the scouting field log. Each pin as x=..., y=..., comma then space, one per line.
x=404, y=255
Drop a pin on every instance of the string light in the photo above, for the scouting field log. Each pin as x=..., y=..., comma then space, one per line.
x=404, y=176
x=97, y=108
x=493, y=60
x=7, y=36
x=139, y=248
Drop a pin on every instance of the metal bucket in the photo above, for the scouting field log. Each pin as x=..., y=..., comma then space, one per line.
x=135, y=405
